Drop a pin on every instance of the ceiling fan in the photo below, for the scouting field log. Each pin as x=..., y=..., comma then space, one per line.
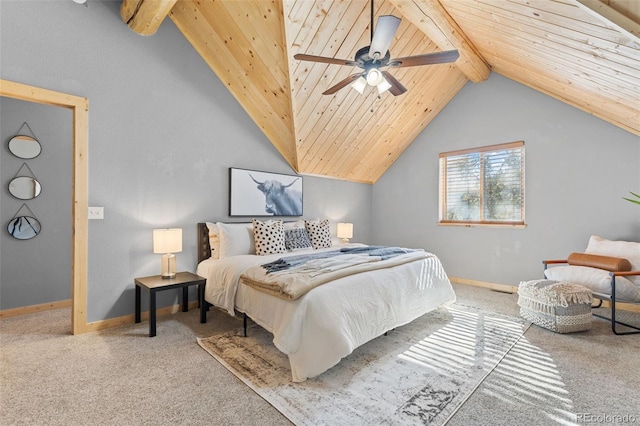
x=372, y=58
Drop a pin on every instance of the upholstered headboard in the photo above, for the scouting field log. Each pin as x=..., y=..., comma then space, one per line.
x=204, y=250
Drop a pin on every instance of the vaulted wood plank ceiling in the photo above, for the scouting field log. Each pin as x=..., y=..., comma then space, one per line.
x=582, y=52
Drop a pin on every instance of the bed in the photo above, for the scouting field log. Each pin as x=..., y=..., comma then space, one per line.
x=325, y=324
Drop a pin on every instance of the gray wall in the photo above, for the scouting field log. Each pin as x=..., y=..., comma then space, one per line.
x=163, y=132
x=38, y=270
x=578, y=168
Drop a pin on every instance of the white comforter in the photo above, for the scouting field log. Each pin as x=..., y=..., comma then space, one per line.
x=326, y=324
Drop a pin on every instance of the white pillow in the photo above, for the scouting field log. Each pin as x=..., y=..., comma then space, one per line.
x=214, y=240
x=269, y=237
x=624, y=249
x=235, y=239
x=597, y=280
x=294, y=225
x=319, y=233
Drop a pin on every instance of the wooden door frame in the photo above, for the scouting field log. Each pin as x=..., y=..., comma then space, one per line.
x=80, y=182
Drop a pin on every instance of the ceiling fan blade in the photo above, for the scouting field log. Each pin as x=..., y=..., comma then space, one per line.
x=396, y=87
x=385, y=30
x=333, y=89
x=427, y=59
x=323, y=59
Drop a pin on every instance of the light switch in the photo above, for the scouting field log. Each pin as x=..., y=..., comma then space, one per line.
x=96, y=212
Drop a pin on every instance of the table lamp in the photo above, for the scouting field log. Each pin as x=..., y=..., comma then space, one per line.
x=345, y=231
x=167, y=241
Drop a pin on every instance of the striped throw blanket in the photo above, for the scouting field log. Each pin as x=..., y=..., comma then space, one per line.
x=293, y=276
x=380, y=252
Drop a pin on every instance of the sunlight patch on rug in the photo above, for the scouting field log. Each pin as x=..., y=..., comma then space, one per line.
x=420, y=373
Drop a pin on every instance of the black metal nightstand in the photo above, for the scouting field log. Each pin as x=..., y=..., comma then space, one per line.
x=156, y=283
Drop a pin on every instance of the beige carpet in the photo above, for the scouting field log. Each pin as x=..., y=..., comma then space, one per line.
x=417, y=374
x=121, y=376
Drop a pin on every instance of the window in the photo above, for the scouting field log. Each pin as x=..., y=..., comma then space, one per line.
x=483, y=186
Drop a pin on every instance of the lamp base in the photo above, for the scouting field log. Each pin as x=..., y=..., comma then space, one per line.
x=168, y=266
x=344, y=240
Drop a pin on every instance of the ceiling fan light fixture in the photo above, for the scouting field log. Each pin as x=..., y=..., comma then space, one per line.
x=359, y=85
x=374, y=77
x=370, y=59
x=383, y=86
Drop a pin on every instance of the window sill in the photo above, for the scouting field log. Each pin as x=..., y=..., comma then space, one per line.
x=484, y=225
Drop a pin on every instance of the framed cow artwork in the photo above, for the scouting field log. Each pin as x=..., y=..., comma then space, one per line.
x=255, y=193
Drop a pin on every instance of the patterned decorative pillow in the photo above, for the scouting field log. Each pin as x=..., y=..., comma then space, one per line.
x=296, y=239
x=319, y=233
x=269, y=237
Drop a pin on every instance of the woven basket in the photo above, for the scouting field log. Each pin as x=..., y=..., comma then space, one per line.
x=555, y=305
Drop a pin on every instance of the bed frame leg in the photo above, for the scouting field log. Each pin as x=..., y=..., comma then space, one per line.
x=244, y=323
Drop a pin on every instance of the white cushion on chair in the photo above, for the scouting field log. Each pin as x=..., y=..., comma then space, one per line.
x=597, y=280
x=624, y=249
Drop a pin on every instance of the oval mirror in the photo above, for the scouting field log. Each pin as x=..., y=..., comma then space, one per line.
x=23, y=227
x=24, y=187
x=24, y=146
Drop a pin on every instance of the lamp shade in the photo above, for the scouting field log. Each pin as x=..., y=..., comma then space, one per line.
x=359, y=84
x=345, y=230
x=374, y=77
x=383, y=86
x=167, y=240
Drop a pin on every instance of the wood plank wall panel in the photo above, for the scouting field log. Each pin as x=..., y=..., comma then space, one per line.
x=558, y=48
x=629, y=8
x=243, y=43
x=348, y=135
x=568, y=49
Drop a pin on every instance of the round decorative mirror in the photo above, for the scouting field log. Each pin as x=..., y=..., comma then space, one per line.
x=24, y=146
x=23, y=227
x=24, y=187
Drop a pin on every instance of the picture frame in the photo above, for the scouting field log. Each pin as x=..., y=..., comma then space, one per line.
x=257, y=193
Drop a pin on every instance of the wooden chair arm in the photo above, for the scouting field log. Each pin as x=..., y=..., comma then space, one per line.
x=548, y=262
x=625, y=273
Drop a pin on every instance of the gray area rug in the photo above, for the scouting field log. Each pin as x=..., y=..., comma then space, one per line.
x=418, y=374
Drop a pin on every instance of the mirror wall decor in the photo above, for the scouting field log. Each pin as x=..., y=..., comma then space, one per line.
x=24, y=225
x=25, y=187
x=23, y=146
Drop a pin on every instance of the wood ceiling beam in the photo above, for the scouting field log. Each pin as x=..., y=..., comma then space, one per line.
x=145, y=16
x=433, y=20
x=611, y=16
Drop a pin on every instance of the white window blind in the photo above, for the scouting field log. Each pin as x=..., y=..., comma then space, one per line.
x=483, y=185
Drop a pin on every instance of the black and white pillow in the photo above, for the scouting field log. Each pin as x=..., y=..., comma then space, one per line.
x=296, y=239
x=319, y=233
x=269, y=237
